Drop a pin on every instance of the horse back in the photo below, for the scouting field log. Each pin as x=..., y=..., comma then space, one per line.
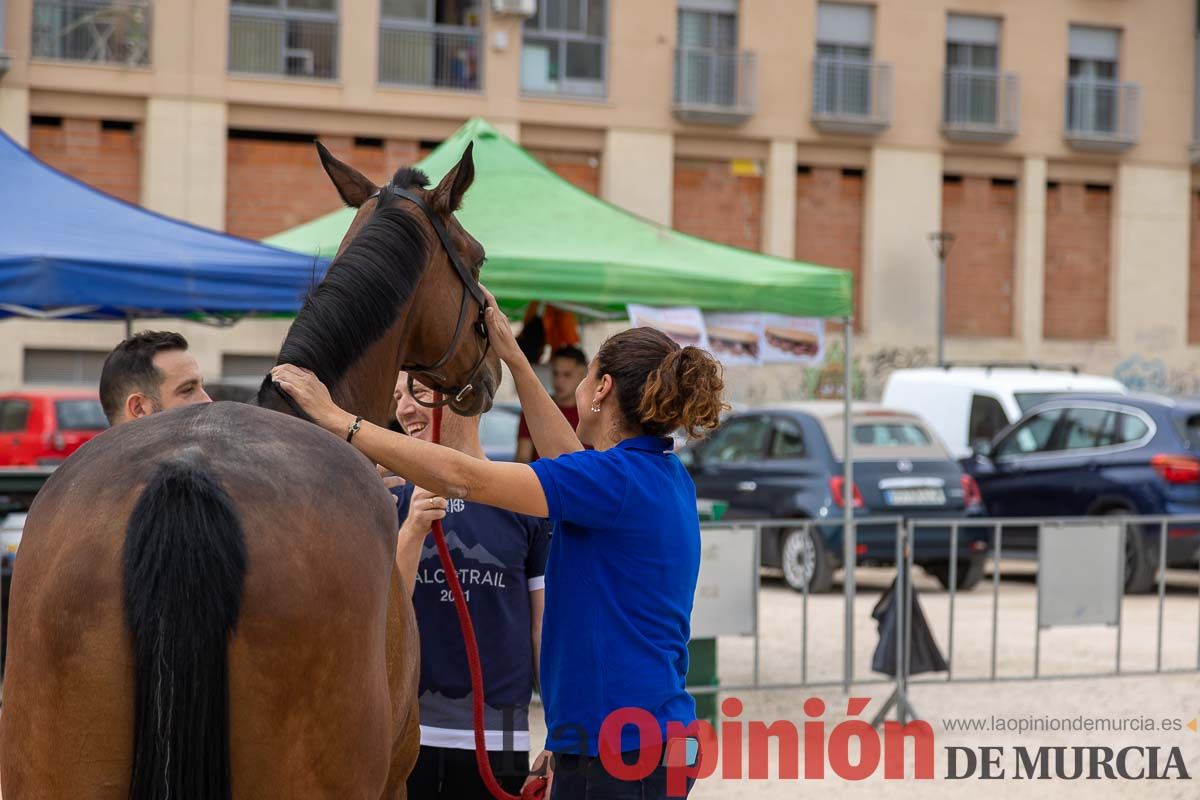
x=320, y=533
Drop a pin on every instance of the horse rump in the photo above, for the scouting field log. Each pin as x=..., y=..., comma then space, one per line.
x=184, y=566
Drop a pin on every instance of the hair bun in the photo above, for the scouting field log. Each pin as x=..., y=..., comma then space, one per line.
x=685, y=392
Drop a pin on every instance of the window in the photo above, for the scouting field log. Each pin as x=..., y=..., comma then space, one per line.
x=742, y=439
x=708, y=59
x=972, y=69
x=284, y=37
x=1092, y=91
x=843, y=70
x=891, y=434
x=1128, y=428
x=14, y=415
x=564, y=49
x=63, y=366
x=1085, y=429
x=433, y=43
x=80, y=415
x=105, y=31
x=1033, y=435
x=498, y=430
x=788, y=441
x=987, y=418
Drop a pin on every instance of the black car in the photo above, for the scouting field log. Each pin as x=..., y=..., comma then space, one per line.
x=785, y=462
x=1093, y=455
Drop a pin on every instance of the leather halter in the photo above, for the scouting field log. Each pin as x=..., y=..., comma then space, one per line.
x=471, y=290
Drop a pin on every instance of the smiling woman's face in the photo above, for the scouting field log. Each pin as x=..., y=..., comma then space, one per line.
x=413, y=417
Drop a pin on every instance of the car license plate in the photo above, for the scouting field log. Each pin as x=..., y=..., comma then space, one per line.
x=915, y=497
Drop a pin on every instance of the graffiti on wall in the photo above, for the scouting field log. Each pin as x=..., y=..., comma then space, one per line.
x=1141, y=373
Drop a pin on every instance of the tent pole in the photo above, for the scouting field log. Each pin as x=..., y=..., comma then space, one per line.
x=128, y=325
x=849, y=543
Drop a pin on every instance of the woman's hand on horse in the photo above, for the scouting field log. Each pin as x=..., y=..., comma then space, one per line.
x=423, y=509
x=500, y=333
x=311, y=395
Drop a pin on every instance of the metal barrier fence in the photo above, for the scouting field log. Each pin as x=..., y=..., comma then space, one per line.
x=434, y=56
x=929, y=543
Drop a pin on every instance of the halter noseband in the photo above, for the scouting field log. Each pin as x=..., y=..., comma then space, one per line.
x=471, y=290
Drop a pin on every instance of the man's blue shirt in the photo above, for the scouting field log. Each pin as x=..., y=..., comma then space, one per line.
x=620, y=580
x=500, y=557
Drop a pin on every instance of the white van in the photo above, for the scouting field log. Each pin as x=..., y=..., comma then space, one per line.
x=968, y=405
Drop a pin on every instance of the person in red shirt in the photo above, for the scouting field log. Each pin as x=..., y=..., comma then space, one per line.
x=568, y=366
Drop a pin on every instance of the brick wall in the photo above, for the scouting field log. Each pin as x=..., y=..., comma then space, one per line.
x=712, y=202
x=1078, y=225
x=982, y=214
x=106, y=155
x=829, y=222
x=580, y=169
x=276, y=182
x=1194, y=271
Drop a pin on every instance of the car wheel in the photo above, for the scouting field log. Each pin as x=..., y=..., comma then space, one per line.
x=968, y=574
x=805, y=560
x=1139, y=565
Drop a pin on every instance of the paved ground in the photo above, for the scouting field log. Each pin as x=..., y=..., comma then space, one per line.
x=1093, y=650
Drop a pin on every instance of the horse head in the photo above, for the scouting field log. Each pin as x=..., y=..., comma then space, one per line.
x=410, y=273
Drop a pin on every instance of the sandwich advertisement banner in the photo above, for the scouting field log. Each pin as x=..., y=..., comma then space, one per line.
x=794, y=340
x=735, y=338
x=684, y=324
x=766, y=339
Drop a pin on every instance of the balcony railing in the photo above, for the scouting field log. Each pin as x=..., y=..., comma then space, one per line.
x=716, y=86
x=434, y=56
x=104, y=31
x=851, y=96
x=270, y=42
x=1102, y=114
x=980, y=105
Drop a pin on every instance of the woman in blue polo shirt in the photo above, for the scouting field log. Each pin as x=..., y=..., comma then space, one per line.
x=625, y=554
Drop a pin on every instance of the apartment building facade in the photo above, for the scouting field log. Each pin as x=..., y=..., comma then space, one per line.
x=1053, y=140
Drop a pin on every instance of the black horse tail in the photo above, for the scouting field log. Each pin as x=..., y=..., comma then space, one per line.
x=184, y=569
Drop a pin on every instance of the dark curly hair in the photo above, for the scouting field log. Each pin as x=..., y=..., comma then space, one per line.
x=661, y=386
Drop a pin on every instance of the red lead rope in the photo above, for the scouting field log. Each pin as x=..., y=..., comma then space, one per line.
x=536, y=789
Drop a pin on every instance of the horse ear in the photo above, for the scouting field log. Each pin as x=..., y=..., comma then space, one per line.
x=351, y=184
x=447, y=197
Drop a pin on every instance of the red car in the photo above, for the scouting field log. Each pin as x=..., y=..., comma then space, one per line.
x=42, y=428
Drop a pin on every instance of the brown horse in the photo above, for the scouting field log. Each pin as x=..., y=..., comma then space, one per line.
x=207, y=604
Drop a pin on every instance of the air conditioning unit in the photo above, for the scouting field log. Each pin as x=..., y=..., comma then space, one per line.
x=520, y=8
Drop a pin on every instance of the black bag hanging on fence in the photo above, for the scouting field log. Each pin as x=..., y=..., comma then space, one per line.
x=924, y=655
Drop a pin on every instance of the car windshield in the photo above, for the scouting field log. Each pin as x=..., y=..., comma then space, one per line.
x=890, y=434
x=498, y=429
x=80, y=415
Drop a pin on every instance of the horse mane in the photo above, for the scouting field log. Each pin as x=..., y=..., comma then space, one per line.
x=363, y=292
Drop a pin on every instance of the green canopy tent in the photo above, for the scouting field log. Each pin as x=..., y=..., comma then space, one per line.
x=547, y=240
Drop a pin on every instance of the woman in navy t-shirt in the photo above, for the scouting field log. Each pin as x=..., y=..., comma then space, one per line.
x=626, y=550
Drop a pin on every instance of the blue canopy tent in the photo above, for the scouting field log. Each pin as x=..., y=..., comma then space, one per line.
x=68, y=251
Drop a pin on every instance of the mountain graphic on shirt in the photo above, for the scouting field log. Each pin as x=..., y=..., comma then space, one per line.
x=477, y=553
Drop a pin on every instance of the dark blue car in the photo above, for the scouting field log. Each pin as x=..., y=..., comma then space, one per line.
x=1085, y=455
x=785, y=462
